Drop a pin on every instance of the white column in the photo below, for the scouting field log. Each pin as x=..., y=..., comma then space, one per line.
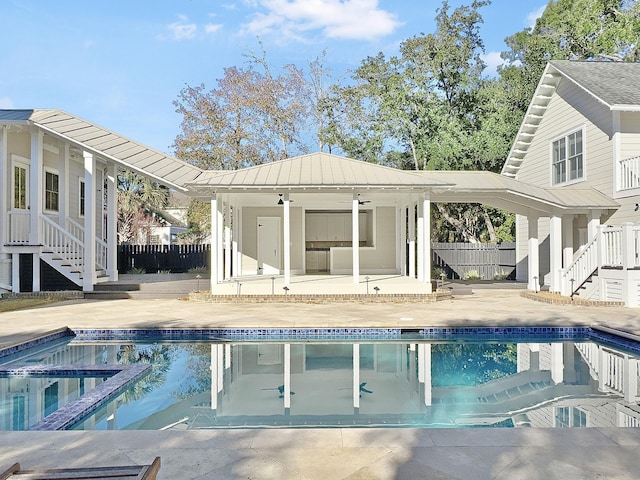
x=555, y=251
x=402, y=243
x=227, y=239
x=15, y=272
x=287, y=238
x=593, y=220
x=215, y=227
x=567, y=241
x=235, y=229
x=420, y=241
x=287, y=375
x=356, y=375
x=630, y=381
x=426, y=239
x=112, y=221
x=4, y=181
x=36, y=191
x=64, y=186
x=355, y=241
x=533, y=255
x=89, y=274
x=412, y=239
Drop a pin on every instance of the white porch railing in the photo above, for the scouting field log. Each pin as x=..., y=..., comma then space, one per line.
x=75, y=229
x=629, y=173
x=101, y=254
x=612, y=247
x=62, y=243
x=583, y=266
x=19, y=226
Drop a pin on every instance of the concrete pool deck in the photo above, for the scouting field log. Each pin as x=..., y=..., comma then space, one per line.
x=332, y=453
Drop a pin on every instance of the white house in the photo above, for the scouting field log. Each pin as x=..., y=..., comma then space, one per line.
x=572, y=177
x=582, y=129
x=58, y=198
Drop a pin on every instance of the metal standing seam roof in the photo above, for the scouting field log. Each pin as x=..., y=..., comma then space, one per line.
x=475, y=182
x=614, y=84
x=315, y=170
x=128, y=153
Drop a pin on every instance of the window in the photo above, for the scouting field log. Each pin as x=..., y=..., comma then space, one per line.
x=20, y=185
x=51, y=191
x=568, y=159
x=81, y=199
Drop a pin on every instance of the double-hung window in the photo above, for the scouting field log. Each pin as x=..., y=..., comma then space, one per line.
x=568, y=158
x=51, y=191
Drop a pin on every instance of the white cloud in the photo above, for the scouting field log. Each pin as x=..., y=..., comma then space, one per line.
x=212, y=27
x=493, y=61
x=182, y=29
x=343, y=19
x=533, y=16
x=5, y=102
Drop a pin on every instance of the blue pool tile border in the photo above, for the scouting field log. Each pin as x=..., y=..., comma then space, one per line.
x=14, y=349
x=395, y=333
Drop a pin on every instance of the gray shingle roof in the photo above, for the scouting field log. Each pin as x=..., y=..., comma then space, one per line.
x=128, y=153
x=614, y=83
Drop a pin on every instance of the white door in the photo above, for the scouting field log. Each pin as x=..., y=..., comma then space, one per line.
x=269, y=245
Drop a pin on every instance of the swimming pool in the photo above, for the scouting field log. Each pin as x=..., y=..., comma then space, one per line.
x=201, y=379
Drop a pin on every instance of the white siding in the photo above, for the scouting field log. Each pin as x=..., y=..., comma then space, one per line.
x=629, y=134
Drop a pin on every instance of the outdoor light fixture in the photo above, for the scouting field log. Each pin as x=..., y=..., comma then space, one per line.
x=286, y=289
x=280, y=201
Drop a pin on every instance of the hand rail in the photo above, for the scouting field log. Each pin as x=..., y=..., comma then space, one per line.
x=101, y=254
x=582, y=267
x=62, y=243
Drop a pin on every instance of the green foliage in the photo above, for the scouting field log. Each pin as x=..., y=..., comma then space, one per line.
x=199, y=222
x=469, y=364
x=137, y=271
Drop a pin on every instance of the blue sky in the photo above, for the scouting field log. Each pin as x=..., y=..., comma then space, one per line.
x=121, y=63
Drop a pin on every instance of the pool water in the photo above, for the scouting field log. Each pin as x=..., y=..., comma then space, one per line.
x=394, y=383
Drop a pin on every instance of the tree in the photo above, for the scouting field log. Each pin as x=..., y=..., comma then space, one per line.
x=139, y=199
x=252, y=117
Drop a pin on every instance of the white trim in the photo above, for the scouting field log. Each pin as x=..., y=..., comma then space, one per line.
x=56, y=172
x=583, y=178
x=26, y=164
x=81, y=201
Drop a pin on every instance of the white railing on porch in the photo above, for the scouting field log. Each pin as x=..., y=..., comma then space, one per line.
x=19, y=226
x=629, y=173
x=62, y=243
x=583, y=266
x=75, y=229
x=612, y=247
x=101, y=254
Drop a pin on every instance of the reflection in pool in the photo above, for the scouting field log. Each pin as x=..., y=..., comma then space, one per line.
x=388, y=383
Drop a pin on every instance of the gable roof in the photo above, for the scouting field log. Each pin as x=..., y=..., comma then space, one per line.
x=614, y=84
x=122, y=150
x=312, y=171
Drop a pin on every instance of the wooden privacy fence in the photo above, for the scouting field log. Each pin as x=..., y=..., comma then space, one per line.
x=152, y=258
x=489, y=261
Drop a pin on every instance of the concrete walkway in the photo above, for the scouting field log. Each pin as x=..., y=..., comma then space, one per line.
x=336, y=453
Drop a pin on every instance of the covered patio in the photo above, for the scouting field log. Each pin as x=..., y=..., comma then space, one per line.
x=343, y=220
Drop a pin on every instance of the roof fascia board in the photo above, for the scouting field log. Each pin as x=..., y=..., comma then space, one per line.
x=625, y=108
x=542, y=83
x=110, y=157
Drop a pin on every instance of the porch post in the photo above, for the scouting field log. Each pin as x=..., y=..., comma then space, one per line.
x=402, y=244
x=4, y=181
x=412, y=239
x=567, y=240
x=593, y=223
x=89, y=273
x=216, y=241
x=287, y=238
x=355, y=240
x=36, y=189
x=64, y=187
x=36, y=194
x=426, y=238
x=112, y=221
x=555, y=251
x=420, y=240
x=15, y=272
x=227, y=239
x=235, y=264
x=533, y=255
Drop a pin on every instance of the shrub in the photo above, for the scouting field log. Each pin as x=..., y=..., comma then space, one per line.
x=137, y=271
x=472, y=275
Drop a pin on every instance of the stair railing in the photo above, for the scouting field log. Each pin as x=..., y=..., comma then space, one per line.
x=583, y=266
x=62, y=243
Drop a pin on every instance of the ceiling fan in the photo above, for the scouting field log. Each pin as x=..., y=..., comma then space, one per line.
x=360, y=201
